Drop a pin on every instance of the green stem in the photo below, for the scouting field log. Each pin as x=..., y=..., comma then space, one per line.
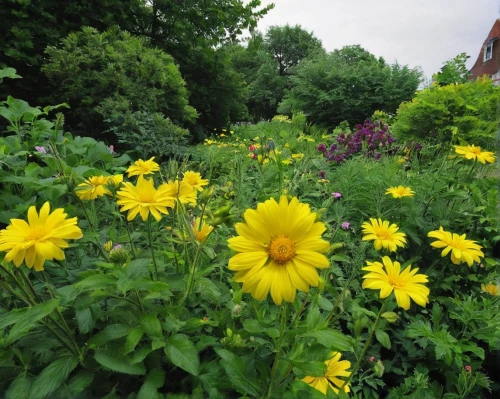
x=29, y=284
x=278, y=351
x=367, y=344
x=99, y=247
x=151, y=246
x=127, y=227
x=301, y=309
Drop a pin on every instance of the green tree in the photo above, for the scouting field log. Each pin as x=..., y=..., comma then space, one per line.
x=28, y=27
x=453, y=71
x=348, y=84
x=110, y=73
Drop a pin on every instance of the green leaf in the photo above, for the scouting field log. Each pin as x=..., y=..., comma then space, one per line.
x=314, y=369
x=182, y=353
x=331, y=339
x=253, y=326
x=96, y=282
x=85, y=320
x=149, y=389
x=80, y=381
x=20, y=388
x=118, y=363
x=8, y=73
x=133, y=339
x=53, y=376
x=151, y=325
x=110, y=333
x=235, y=369
x=383, y=338
x=29, y=319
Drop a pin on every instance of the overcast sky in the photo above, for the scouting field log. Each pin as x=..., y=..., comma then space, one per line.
x=414, y=32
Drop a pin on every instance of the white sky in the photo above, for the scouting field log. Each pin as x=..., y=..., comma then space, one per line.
x=414, y=32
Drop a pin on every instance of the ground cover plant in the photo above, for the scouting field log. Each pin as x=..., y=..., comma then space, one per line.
x=263, y=263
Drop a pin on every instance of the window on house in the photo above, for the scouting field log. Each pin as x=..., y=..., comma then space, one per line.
x=488, y=52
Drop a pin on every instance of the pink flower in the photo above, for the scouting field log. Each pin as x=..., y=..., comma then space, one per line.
x=372, y=359
x=345, y=225
x=112, y=149
x=41, y=150
x=468, y=368
x=336, y=195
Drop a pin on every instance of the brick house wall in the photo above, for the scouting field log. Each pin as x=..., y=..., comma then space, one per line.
x=490, y=67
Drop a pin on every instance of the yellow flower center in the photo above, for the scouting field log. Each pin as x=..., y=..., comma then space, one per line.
x=476, y=150
x=36, y=233
x=401, y=191
x=395, y=283
x=281, y=249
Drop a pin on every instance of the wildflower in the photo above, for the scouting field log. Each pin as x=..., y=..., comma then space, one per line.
x=336, y=195
x=182, y=191
x=462, y=250
x=108, y=245
x=194, y=180
x=280, y=248
x=201, y=230
x=41, y=150
x=400, y=192
x=141, y=167
x=406, y=284
x=334, y=369
x=468, y=368
x=39, y=239
x=143, y=198
x=97, y=186
x=383, y=234
x=298, y=156
x=475, y=153
x=345, y=225
x=491, y=289
x=322, y=147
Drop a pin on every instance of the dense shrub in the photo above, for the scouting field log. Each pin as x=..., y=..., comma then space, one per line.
x=92, y=68
x=469, y=110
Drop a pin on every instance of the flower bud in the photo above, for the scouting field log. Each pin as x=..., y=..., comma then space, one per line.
x=391, y=317
x=108, y=245
x=321, y=284
x=118, y=254
x=379, y=368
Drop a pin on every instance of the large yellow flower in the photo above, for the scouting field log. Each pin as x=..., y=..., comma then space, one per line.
x=97, y=186
x=475, y=153
x=462, y=250
x=142, y=167
x=406, y=284
x=280, y=248
x=400, y=192
x=491, y=289
x=39, y=239
x=334, y=369
x=144, y=199
x=194, y=180
x=182, y=191
x=384, y=236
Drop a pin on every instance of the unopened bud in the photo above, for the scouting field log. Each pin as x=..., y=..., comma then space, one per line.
x=391, y=317
x=118, y=254
x=321, y=284
x=379, y=368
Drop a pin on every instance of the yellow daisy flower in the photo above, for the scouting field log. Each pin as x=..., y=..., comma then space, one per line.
x=201, y=230
x=280, y=248
x=143, y=198
x=491, y=289
x=462, y=250
x=97, y=186
x=400, y=192
x=384, y=236
x=475, y=153
x=406, y=284
x=334, y=368
x=142, y=167
x=39, y=239
x=194, y=179
x=182, y=191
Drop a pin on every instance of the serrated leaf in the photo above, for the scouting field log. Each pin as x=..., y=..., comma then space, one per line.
x=118, y=363
x=133, y=339
x=20, y=388
x=252, y=326
x=151, y=325
x=182, y=353
x=80, y=381
x=110, y=333
x=52, y=376
x=153, y=382
x=30, y=318
x=331, y=339
x=85, y=320
x=96, y=282
x=235, y=369
x=383, y=338
x=314, y=369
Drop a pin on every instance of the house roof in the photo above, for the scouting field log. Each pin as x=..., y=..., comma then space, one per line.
x=491, y=66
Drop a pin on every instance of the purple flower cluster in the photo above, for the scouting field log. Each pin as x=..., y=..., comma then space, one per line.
x=371, y=138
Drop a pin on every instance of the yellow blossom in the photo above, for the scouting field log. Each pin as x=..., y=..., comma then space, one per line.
x=475, y=153
x=142, y=167
x=334, y=368
x=400, y=192
x=491, y=289
x=384, y=235
x=462, y=250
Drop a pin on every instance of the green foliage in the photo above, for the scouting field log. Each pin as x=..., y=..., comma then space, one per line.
x=110, y=73
x=348, y=84
x=453, y=71
x=467, y=110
